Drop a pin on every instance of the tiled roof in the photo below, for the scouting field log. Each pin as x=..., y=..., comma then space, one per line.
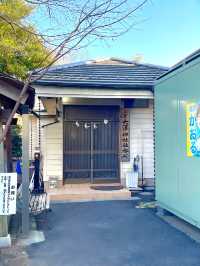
x=103, y=73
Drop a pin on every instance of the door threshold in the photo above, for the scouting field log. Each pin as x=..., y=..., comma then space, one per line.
x=88, y=181
x=106, y=181
x=77, y=181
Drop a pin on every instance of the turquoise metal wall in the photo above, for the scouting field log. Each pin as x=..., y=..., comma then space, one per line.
x=177, y=175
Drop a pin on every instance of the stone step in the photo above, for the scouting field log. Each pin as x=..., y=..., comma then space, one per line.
x=89, y=195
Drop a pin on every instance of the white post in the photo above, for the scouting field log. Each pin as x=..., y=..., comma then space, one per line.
x=3, y=219
x=25, y=171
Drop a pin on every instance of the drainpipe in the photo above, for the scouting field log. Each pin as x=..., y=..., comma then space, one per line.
x=56, y=119
x=52, y=123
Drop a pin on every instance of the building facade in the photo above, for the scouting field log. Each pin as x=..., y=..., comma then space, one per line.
x=95, y=119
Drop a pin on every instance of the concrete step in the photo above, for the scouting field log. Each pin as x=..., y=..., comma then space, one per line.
x=85, y=193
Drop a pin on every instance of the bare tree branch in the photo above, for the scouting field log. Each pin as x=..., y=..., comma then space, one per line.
x=77, y=23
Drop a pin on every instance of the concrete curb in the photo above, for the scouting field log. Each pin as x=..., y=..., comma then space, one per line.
x=5, y=241
x=183, y=226
x=34, y=237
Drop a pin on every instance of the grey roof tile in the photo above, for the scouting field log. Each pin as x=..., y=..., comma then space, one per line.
x=111, y=73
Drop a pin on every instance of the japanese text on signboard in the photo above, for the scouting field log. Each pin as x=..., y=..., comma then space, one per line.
x=8, y=190
x=125, y=153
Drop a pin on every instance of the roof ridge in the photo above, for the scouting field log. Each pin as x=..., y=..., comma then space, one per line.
x=95, y=61
x=131, y=62
x=153, y=66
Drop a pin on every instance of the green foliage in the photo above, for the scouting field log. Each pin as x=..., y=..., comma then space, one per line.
x=20, y=51
x=16, y=141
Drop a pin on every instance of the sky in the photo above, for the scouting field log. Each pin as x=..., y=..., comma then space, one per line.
x=169, y=30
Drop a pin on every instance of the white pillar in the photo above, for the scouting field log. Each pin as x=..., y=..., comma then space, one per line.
x=25, y=171
x=3, y=219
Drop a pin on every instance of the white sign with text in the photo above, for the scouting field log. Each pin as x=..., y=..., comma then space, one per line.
x=8, y=191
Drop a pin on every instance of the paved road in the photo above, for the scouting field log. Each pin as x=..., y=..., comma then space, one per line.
x=111, y=234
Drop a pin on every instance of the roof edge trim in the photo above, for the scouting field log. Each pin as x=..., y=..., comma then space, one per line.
x=182, y=63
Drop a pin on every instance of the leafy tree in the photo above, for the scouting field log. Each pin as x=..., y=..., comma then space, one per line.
x=16, y=141
x=20, y=49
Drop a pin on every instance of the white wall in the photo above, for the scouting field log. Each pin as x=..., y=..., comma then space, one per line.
x=53, y=151
x=141, y=141
x=51, y=146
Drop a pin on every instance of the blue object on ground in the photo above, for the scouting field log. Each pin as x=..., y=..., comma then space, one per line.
x=18, y=167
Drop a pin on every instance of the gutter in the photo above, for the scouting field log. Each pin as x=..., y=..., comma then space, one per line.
x=35, y=114
x=97, y=85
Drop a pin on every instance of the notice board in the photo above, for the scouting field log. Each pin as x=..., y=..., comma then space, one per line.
x=8, y=191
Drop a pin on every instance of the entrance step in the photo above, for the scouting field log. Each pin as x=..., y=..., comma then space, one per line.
x=84, y=192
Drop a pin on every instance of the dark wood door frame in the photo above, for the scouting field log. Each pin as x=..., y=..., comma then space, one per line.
x=98, y=157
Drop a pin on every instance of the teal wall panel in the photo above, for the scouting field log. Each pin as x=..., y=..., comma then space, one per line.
x=177, y=175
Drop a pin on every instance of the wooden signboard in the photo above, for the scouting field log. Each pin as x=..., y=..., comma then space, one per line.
x=125, y=149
